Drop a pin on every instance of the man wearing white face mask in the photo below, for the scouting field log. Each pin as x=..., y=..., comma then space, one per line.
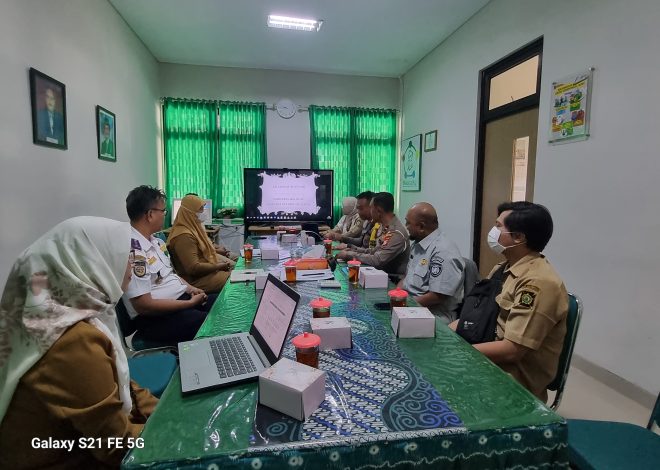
x=531, y=325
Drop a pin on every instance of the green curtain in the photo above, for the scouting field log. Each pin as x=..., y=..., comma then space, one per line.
x=331, y=149
x=242, y=145
x=358, y=144
x=375, y=150
x=191, y=147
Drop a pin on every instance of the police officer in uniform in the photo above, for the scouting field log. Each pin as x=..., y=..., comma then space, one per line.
x=531, y=325
x=392, y=248
x=165, y=307
x=436, y=268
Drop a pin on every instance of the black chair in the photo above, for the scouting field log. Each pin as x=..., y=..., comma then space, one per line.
x=151, y=364
x=138, y=345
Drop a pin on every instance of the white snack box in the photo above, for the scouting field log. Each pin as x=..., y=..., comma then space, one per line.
x=260, y=280
x=270, y=252
x=289, y=238
x=335, y=332
x=413, y=322
x=292, y=388
x=372, y=278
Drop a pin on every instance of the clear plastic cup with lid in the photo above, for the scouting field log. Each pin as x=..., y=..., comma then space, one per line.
x=354, y=271
x=290, y=271
x=320, y=307
x=398, y=298
x=247, y=252
x=327, y=243
x=307, y=349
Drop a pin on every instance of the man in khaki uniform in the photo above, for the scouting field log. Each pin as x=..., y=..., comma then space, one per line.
x=533, y=303
x=392, y=248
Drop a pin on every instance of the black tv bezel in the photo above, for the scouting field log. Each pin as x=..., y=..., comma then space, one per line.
x=270, y=222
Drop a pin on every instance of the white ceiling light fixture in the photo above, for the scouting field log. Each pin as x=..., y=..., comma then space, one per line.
x=300, y=24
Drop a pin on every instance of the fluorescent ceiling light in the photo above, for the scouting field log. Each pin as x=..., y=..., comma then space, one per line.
x=301, y=24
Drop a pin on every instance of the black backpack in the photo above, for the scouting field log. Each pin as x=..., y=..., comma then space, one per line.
x=477, y=322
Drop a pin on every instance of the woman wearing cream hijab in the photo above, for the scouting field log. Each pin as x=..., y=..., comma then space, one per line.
x=194, y=257
x=350, y=223
x=63, y=370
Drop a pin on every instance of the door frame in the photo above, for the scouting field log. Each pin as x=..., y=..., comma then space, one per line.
x=485, y=116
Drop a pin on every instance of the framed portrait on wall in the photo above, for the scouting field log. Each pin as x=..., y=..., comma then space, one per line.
x=106, y=134
x=48, y=100
x=411, y=165
x=430, y=141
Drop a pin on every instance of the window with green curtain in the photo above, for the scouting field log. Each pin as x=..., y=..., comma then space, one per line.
x=242, y=145
x=191, y=147
x=332, y=149
x=358, y=144
x=202, y=159
x=375, y=150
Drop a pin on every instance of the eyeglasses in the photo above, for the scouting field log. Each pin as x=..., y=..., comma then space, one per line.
x=164, y=211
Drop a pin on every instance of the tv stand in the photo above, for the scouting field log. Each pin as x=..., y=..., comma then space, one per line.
x=272, y=228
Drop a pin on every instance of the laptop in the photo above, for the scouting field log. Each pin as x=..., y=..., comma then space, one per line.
x=220, y=361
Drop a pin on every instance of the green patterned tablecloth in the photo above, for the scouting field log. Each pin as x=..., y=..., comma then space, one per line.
x=504, y=425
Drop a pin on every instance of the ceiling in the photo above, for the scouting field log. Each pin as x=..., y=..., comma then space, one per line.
x=382, y=38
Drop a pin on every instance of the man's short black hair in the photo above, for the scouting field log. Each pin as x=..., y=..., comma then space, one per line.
x=385, y=201
x=141, y=199
x=532, y=220
x=368, y=195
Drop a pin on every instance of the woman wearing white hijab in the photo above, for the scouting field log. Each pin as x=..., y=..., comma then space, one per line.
x=350, y=223
x=63, y=370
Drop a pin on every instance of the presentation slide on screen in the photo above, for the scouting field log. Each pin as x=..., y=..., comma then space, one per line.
x=288, y=193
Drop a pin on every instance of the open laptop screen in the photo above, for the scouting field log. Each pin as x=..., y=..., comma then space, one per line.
x=274, y=315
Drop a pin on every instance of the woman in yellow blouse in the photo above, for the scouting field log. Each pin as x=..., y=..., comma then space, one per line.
x=63, y=370
x=195, y=257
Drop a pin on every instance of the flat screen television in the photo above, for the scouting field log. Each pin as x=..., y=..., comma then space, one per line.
x=286, y=195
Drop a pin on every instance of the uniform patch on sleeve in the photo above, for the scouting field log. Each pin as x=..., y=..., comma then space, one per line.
x=436, y=269
x=140, y=267
x=528, y=296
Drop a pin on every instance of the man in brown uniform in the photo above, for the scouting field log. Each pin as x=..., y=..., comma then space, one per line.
x=533, y=303
x=393, y=247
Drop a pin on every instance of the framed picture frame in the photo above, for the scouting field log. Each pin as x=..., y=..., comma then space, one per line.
x=431, y=141
x=411, y=165
x=570, y=110
x=48, y=102
x=106, y=134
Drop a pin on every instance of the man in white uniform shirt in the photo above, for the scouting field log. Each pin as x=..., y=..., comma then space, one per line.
x=165, y=308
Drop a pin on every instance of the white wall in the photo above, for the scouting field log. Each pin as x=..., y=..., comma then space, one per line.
x=86, y=45
x=288, y=139
x=603, y=193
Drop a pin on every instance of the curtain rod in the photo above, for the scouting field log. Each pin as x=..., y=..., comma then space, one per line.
x=269, y=107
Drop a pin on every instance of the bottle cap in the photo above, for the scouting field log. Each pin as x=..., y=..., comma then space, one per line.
x=306, y=340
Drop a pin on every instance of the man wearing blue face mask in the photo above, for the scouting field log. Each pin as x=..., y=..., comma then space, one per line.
x=531, y=325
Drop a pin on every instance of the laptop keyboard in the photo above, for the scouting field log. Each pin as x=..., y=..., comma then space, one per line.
x=231, y=357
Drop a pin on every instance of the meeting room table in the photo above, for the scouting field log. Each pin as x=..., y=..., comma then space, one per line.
x=390, y=402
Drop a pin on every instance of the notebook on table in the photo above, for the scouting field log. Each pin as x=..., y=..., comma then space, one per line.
x=229, y=359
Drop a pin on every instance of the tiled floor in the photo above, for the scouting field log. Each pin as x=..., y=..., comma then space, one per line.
x=587, y=398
